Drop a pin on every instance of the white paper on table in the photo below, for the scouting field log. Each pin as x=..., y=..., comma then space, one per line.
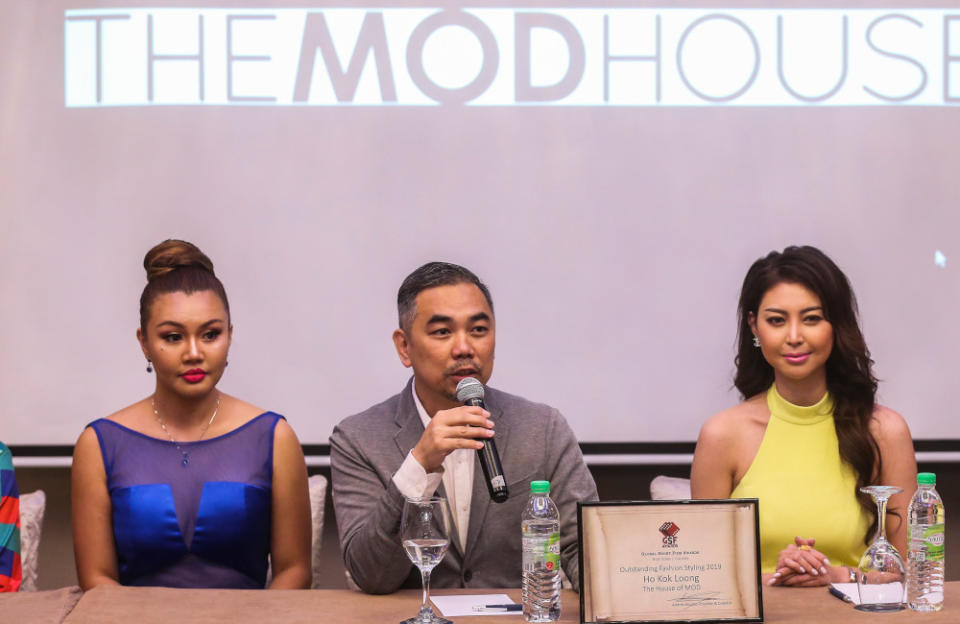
x=887, y=592
x=451, y=606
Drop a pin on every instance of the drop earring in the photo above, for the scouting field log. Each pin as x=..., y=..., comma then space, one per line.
x=149, y=366
x=756, y=341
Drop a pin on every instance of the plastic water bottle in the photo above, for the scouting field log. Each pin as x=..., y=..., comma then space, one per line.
x=540, y=526
x=925, y=560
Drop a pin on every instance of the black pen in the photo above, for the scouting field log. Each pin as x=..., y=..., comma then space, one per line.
x=503, y=607
x=839, y=594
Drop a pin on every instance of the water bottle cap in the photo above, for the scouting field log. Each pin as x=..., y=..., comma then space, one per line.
x=540, y=487
x=926, y=478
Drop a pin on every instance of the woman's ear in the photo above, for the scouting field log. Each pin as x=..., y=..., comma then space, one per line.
x=142, y=339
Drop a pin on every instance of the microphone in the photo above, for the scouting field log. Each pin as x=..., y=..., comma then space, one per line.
x=470, y=392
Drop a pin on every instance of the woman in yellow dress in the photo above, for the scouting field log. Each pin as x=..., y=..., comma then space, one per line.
x=809, y=433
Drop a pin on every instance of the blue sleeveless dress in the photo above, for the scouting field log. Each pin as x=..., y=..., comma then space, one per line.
x=205, y=523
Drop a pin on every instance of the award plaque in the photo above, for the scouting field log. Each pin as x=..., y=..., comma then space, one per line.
x=670, y=561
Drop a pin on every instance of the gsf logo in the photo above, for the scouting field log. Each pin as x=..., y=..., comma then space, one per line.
x=669, y=531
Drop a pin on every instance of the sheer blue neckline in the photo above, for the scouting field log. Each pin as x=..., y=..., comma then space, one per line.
x=205, y=441
x=206, y=524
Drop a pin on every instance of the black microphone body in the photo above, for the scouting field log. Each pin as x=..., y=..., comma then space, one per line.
x=490, y=462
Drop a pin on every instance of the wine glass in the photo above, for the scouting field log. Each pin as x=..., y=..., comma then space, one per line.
x=425, y=534
x=881, y=576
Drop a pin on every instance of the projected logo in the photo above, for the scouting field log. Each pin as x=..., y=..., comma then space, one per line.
x=509, y=57
x=669, y=531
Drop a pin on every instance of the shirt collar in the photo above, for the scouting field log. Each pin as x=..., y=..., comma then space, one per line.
x=421, y=411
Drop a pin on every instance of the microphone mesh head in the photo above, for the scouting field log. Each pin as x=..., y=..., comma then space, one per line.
x=469, y=388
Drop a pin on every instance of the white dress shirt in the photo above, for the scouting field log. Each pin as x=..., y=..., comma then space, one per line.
x=456, y=474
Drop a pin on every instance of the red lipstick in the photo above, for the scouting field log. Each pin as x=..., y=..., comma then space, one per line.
x=194, y=375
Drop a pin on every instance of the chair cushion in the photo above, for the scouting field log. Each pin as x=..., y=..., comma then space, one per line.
x=317, y=484
x=32, y=507
x=669, y=488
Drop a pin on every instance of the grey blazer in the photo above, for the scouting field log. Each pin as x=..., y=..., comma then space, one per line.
x=534, y=442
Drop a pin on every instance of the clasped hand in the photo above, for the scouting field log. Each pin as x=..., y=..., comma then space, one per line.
x=449, y=430
x=800, y=565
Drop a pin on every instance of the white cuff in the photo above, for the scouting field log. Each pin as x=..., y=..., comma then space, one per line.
x=413, y=481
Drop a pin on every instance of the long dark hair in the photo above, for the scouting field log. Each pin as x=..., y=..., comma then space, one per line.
x=849, y=370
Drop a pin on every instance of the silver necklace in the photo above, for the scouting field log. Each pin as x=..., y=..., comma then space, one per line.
x=186, y=455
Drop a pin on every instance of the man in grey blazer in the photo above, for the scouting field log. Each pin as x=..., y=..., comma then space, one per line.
x=423, y=441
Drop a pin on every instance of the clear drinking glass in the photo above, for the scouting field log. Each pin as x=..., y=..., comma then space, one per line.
x=881, y=576
x=425, y=534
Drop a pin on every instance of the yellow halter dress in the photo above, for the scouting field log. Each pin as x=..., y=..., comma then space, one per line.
x=804, y=487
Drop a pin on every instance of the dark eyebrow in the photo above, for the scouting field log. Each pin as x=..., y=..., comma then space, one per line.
x=180, y=326
x=442, y=318
x=803, y=311
x=171, y=323
x=438, y=318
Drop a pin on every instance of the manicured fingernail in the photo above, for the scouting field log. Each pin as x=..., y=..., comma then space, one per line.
x=823, y=570
x=826, y=561
x=776, y=575
x=802, y=570
x=814, y=572
x=771, y=581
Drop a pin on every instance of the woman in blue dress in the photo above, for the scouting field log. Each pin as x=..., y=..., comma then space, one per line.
x=189, y=487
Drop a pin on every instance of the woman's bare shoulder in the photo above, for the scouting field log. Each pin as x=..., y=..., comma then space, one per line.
x=888, y=425
x=730, y=423
x=131, y=415
x=245, y=411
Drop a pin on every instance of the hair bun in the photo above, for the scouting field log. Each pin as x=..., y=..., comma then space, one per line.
x=173, y=254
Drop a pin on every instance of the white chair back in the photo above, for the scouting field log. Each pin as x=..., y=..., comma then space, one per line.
x=669, y=488
x=317, y=485
x=32, y=508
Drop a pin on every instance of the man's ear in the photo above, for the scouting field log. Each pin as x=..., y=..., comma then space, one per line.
x=402, y=346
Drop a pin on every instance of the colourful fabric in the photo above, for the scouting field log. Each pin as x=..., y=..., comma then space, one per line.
x=804, y=487
x=10, y=569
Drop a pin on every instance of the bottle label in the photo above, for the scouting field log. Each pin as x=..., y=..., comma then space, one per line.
x=927, y=542
x=552, y=554
x=542, y=551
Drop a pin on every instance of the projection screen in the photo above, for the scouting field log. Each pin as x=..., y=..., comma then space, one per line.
x=609, y=169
